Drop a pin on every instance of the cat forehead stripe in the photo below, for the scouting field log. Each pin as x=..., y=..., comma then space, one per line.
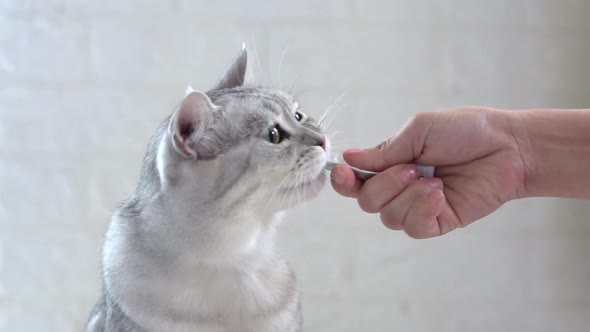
x=269, y=98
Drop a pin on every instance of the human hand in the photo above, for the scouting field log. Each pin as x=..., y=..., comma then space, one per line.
x=478, y=168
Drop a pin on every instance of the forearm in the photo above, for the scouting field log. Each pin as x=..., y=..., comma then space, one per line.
x=555, y=148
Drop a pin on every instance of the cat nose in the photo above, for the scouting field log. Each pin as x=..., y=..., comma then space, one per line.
x=321, y=143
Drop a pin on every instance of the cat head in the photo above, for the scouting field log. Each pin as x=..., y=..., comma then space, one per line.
x=241, y=144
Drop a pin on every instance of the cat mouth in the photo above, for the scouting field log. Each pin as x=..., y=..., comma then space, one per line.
x=318, y=178
x=311, y=183
x=312, y=176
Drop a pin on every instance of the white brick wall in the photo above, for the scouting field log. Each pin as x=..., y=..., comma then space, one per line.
x=84, y=83
x=42, y=50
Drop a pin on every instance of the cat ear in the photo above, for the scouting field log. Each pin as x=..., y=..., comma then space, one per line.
x=188, y=122
x=234, y=75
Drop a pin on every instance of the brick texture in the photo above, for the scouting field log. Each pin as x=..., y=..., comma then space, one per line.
x=83, y=85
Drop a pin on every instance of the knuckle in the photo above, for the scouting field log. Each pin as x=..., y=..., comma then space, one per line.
x=367, y=204
x=416, y=130
x=415, y=234
x=418, y=119
x=339, y=188
x=344, y=190
x=349, y=192
x=423, y=187
x=391, y=221
x=384, y=145
x=420, y=231
x=393, y=176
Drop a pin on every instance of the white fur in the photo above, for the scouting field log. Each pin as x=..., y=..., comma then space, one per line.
x=212, y=289
x=160, y=163
x=223, y=268
x=193, y=256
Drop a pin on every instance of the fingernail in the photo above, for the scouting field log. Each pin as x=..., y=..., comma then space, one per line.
x=413, y=173
x=337, y=177
x=434, y=183
x=354, y=151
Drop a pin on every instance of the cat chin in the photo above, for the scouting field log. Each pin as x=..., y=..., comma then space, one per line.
x=314, y=188
x=307, y=190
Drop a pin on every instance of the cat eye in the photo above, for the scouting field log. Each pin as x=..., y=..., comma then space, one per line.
x=274, y=135
x=298, y=116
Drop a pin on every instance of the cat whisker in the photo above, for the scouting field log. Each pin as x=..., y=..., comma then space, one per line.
x=283, y=53
x=337, y=147
x=299, y=93
x=293, y=83
x=256, y=54
x=299, y=188
x=336, y=111
x=289, y=198
x=338, y=150
x=279, y=187
x=328, y=110
x=295, y=188
x=341, y=142
x=332, y=135
x=290, y=188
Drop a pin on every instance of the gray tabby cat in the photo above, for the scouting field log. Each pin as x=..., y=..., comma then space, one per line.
x=193, y=248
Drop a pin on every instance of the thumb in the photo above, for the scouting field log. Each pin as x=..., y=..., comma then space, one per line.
x=402, y=148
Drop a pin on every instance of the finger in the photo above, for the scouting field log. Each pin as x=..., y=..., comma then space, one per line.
x=448, y=219
x=344, y=181
x=385, y=186
x=421, y=221
x=404, y=147
x=395, y=213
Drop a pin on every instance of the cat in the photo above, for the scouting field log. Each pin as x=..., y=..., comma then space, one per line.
x=193, y=248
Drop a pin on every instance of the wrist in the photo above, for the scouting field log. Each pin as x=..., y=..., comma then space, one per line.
x=519, y=138
x=554, y=146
